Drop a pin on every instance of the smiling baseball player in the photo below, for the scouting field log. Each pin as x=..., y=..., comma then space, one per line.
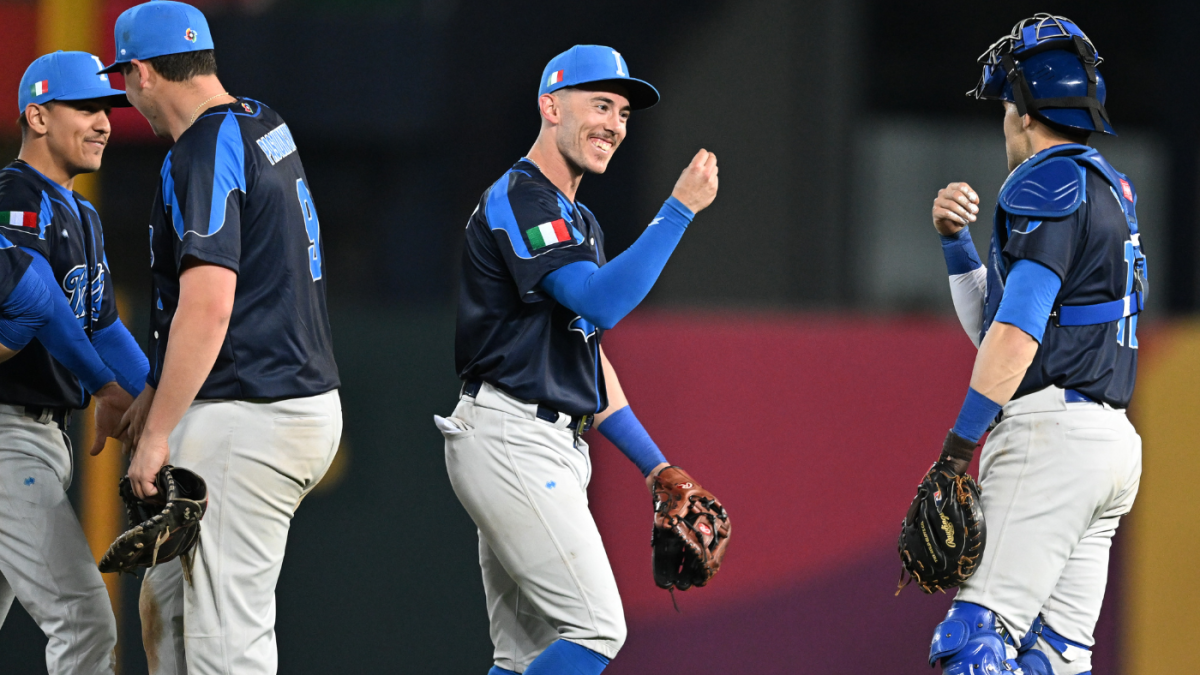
x=537, y=295
x=81, y=347
x=1054, y=314
x=243, y=388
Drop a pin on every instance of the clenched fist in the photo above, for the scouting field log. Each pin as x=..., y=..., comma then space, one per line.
x=956, y=207
x=697, y=185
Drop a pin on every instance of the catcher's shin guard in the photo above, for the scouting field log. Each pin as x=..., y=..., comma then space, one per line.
x=969, y=643
x=1069, y=659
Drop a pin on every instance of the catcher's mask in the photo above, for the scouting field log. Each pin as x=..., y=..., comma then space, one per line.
x=1047, y=68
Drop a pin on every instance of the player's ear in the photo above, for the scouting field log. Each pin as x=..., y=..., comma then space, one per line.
x=36, y=116
x=1026, y=122
x=550, y=107
x=141, y=71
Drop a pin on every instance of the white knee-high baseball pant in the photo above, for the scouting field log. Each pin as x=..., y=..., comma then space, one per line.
x=1055, y=479
x=45, y=561
x=524, y=482
x=259, y=460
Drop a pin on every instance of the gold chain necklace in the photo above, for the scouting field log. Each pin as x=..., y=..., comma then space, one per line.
x=197, y=110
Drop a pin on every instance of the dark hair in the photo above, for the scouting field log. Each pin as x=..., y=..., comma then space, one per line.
x=181, y=67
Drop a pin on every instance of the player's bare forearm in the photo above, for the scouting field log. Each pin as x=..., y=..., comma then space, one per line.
x=198, y=329
x=616, y=395
x=616, y=401
x=6, y=353
x=1002, y=360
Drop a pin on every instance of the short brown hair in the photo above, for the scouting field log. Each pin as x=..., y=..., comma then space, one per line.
x=182, y=66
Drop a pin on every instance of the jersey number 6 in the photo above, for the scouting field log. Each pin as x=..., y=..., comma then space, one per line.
x=312, y=226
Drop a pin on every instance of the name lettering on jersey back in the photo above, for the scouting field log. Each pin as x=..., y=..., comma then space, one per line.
x=277, y=144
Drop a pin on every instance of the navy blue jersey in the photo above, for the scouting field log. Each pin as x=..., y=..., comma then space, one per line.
x=234, y=194
x=1095, y=254
x=13, y=263
x=39, y=214
x=509, y=332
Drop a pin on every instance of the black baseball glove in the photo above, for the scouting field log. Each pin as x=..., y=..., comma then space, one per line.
x=163, y=527
x=942, y=537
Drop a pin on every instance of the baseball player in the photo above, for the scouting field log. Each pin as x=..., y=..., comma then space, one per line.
x=243, y=386
x=1054, y=314
x=54, y=247
x=537, y=295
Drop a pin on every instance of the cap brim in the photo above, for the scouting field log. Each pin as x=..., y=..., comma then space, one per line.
x=113, y=97
x=114, y=68
x=641, y=94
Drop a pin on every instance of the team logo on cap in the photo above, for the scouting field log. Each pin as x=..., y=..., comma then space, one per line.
x=247, y=108
x=189, y=35
x=40, y=88
x=555, y=78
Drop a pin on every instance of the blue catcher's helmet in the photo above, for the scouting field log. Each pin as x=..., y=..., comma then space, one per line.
x=1047, y=67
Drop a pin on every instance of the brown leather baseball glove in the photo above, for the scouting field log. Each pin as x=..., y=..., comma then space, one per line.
x=691, y=531
x=162, y=528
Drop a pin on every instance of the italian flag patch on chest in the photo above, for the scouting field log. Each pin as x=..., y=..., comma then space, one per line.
x=19, y=219
x=548, y=233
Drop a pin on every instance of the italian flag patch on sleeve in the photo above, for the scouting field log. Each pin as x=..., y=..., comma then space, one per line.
x=548, y=233
x=19, y=219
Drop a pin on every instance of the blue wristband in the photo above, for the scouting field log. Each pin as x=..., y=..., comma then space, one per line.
x=976, y=416
x=959, y=251
x=631, y=438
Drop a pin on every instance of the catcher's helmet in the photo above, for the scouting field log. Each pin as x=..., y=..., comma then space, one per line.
x=1047, y=67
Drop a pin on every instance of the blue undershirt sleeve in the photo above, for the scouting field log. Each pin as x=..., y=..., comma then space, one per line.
x=626, y=432
x=62, y=335
x=959, y=251
x=122, y=354
x=1029, y=293
x=604, y=295
x=24, y=312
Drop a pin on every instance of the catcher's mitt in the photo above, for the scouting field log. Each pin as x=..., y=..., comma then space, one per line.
x=942, y=537
x=162, y=528
x=691, y=531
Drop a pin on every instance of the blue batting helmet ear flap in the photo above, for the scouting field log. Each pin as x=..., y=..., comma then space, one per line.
x=1047, y=67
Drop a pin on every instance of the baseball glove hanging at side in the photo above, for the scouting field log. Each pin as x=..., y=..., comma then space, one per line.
x=161, y=528
x=691, y=531
x=942, y=537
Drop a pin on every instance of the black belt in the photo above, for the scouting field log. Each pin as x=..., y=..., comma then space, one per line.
x=46, y=415
x=579, y=423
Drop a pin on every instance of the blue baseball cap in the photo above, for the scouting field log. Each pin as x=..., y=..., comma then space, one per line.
x=159, y=28
x=67, y=76
x=593, y=64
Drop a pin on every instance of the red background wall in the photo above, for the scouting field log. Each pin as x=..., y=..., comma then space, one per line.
x=814, y=432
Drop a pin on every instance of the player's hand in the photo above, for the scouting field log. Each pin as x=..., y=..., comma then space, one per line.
x=956, y=206
x=697, y=185
x=654, y=472
x=111, y=404
x=149, y=455
x=129, y=431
